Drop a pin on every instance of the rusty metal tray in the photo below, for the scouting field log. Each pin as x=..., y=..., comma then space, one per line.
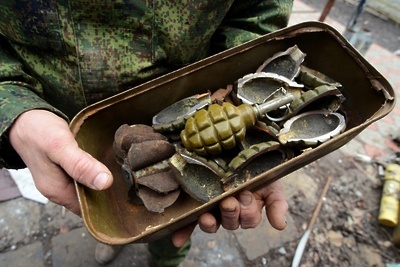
x=107, y=214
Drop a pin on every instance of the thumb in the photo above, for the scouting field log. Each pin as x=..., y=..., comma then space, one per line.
x=59, y=147
x=180, y=237
x=84, y=168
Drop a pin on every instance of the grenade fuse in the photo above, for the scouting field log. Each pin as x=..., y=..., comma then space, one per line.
x=210, y=131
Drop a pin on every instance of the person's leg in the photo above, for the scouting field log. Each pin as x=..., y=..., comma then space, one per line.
x=165, y=254
x=105, y=253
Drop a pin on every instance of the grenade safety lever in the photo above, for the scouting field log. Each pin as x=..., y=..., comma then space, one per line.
x=210, y=131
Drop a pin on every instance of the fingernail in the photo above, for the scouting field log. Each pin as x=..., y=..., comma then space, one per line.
x=209, y=227
x=245, y=199
x=101, y=180
x=285, y=220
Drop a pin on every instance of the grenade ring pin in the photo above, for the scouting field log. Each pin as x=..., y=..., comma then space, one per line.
x=209, y=132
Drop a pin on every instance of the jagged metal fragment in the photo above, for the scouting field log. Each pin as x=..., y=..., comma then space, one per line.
x=199, y=180
x=156, y=150
x=173, y=117
x=260, y=133
x=312, y=78
x=312, y=128
x=324, y=97
x=127, y=174
x=245, y=156
x=257, y=88
x=155, y=186
x=126, y=135
x=253, y=161
x=192, y=158
x=157, y=202
x=159, y=177
x=222, y=95
x=142, y=153
x=286, y=63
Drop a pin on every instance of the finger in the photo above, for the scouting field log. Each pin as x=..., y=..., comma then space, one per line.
x=276, y=206
x=82, y=167
x=47, y=158
x=58, y=187
x=276, y=213
x=208, y=223
x=230, y=211
x=180, y=237
x=250, y=213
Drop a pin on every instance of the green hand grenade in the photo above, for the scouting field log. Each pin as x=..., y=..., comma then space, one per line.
x=210, y=131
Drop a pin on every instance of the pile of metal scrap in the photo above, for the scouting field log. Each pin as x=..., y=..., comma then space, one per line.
x=210, y=143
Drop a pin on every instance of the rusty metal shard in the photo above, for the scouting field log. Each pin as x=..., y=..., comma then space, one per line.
x=157, y=202
x=146, y=153
x=162, y=182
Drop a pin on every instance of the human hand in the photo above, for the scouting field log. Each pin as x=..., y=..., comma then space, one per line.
x=46, y=145
x=244, y=211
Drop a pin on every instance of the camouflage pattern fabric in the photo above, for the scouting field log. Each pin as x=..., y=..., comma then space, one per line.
x=165, y=254
x=62, y=55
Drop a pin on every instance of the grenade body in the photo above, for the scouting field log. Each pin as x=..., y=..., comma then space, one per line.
x=218, y=128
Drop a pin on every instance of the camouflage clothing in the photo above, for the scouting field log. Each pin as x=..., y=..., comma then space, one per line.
x=62, y=55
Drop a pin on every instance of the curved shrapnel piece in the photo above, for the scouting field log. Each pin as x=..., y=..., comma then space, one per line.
x=156, y=186
x=142, y=153
x=312, y=128
x=312, y=78
x=127, y=135
x=260, y=133
x=218, y=168
x=159, y=177
x=257, y=88
x=157, y=202
x=127, y=174
x=173, y=117
x=198, y=178
x=253, y=161
x=286, y=63
x=324, y=97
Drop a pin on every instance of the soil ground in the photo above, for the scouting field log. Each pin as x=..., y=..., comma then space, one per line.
x=347, y=232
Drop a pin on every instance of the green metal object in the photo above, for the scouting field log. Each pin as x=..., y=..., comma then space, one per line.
x=173, y=117
x=199, y=178
x=254, y=161
x=246, y=155
x=312, y=78
x=220, y=127
x=323, y=97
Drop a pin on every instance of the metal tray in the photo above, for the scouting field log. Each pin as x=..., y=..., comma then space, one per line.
x=107, y=214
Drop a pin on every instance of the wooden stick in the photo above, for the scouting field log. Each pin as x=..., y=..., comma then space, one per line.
x=326, y=10
x=320, y=201
x=303, y=240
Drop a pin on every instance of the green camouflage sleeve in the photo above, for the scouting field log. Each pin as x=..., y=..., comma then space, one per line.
x=19, y=92
x=249, y=19
x=92, y=74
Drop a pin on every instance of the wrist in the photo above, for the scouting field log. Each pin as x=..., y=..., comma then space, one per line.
x=9, y=158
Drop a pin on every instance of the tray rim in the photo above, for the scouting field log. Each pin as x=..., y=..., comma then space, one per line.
x=309, y=26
